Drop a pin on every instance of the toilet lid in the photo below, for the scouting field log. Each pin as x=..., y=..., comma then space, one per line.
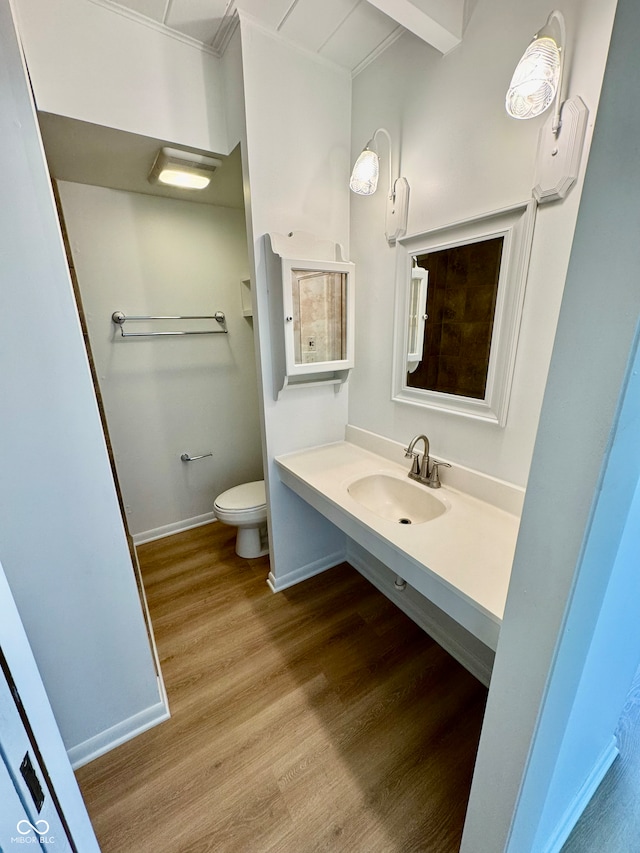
x=246, y=496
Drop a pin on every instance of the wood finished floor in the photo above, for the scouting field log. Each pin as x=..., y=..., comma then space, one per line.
x=318, y=719
x=611, y=821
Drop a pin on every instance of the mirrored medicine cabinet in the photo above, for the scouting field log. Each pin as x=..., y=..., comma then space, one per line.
x=312, y=309
x=459, y=296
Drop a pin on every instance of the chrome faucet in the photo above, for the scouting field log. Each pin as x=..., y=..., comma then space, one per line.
x=434, y=477
x=423, y=470
x=419, y=467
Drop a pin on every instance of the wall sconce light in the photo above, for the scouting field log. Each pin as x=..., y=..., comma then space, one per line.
x=364, y=181
x=183, y=169
x=538, y=76
x=536, y=85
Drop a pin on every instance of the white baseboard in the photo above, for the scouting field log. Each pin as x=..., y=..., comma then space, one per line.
x=470, y=652
x=101, y=743
x=170, y=529
x=580, y=801
x=277, y=584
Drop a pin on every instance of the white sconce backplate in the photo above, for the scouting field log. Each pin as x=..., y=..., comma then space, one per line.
x=558, y=157
x=397, y=211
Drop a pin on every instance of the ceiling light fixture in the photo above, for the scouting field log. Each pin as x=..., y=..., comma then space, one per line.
x=183, y=169
x=364, y=181
x=536, y=84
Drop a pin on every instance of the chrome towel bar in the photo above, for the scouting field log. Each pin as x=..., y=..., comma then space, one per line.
x=186, y=458
x=120, y=319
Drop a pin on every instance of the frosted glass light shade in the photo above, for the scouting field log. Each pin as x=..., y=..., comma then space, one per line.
x=364, y=178
x=184, y=179
x=185, y=169
x=535, y=80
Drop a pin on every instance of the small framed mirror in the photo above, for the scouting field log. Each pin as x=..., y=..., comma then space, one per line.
x=318, y=307
x=311, y=303
x=459, y=296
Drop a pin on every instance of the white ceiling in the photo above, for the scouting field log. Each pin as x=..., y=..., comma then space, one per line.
x=348, y=32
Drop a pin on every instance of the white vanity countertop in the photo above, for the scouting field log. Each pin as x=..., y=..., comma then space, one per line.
x=468, y=549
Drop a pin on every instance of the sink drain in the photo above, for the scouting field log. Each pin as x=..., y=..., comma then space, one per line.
x=404, y=520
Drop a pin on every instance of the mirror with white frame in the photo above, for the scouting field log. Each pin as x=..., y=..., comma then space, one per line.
x=312, y=307
x=459, y=296
x=318, y=307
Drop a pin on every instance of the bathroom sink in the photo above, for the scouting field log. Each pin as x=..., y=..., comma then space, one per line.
x=396, y=500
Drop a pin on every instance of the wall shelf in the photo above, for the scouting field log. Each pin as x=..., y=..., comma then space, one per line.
x=246, y=297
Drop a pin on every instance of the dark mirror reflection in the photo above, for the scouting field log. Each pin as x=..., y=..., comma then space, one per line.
x=452, y=309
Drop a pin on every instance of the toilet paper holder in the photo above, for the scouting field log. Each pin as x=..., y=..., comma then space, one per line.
x=186, y=458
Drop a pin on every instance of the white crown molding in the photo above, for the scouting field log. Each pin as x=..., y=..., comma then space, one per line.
x=377, y=51
x=132, y=15
x=228, y=25
x=227, y=28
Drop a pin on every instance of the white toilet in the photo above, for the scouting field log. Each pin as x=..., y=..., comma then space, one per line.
x=245, y=507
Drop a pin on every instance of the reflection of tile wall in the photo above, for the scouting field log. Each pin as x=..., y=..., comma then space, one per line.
x=463, y=287
x=318, y=316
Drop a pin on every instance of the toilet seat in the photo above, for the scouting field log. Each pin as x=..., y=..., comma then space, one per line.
x=246, y=498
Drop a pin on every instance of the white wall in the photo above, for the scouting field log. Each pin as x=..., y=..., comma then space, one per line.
x=296, y=160
x=609, y=669
x=552, y=654
x=462, y=156
x=90, y=62
x=17, y=652
x=62, y=541
x=165, y=396
x=234, y=90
